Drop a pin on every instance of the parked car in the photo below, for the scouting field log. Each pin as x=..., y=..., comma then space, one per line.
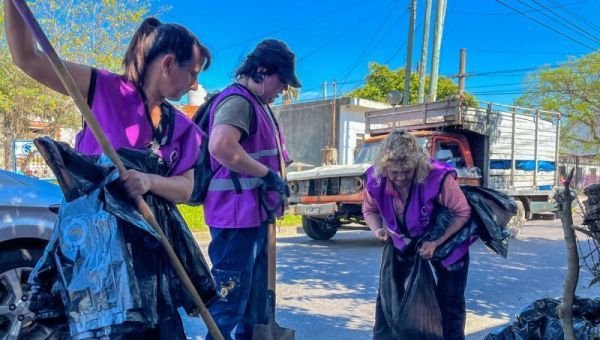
x=28, y=210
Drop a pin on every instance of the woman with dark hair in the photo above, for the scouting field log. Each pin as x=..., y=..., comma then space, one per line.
x=162, y=62
x=246, y=147
x=404, y=189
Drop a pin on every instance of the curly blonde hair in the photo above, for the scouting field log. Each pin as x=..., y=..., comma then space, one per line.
x=400, y=152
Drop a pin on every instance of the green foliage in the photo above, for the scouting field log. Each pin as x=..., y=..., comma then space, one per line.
x=381, y=80
x=90, y=32
x=194, y=217
x=572, y=89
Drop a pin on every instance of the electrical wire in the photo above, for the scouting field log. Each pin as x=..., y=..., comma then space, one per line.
x=545, y=25
x=335, y=11
x=366, y=50
x=567, y=23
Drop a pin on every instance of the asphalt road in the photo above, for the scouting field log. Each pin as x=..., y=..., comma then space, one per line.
x=327, y=289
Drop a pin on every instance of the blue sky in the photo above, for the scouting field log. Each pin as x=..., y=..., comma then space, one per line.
x=335, y=40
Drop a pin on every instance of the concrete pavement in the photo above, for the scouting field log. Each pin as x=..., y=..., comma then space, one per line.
x=327, y=289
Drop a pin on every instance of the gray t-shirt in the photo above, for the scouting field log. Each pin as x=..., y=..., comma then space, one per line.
x=235, y=111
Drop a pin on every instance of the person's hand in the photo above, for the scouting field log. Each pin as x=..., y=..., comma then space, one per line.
x=381, y=234
x=427, y=249
x=136, y=183
x=275, y=183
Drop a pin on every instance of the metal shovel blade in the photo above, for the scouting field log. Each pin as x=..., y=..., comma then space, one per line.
x=272, y=330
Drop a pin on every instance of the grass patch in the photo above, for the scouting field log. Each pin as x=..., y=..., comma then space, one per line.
x=194, y=217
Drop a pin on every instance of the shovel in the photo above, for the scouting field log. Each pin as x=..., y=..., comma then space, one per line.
x=271, y=330
x=71, y=87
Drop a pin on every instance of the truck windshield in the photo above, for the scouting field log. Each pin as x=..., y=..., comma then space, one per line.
x=368, y=151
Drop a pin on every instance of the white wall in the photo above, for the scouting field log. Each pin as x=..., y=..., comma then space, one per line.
x=352, y=124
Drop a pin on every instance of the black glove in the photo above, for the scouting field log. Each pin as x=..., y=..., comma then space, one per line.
x=275, y=183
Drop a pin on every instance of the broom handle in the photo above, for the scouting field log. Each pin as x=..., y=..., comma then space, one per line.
x=107, y=148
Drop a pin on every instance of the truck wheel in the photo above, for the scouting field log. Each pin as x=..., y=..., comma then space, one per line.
x=515, y=225
x=318, y=229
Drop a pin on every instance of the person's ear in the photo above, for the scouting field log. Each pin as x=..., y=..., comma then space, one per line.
x=167, y=63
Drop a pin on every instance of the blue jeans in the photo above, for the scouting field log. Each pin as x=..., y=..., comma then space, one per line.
x=239, y=259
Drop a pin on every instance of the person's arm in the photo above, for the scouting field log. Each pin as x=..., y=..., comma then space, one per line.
x=373, y=218
x=225, y=147
x=177, y=189
x=34, y=62
x=452, y=198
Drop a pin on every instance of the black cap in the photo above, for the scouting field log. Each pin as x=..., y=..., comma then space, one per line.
x=275, y=53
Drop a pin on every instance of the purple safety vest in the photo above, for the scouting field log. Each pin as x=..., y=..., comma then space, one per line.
x=223, y=206
x=418, y=210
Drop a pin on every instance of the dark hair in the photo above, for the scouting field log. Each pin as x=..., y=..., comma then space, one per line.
x=249, y=68
x=152, y=39
x=275, y=56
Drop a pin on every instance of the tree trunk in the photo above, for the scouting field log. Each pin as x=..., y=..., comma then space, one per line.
x=565, y=309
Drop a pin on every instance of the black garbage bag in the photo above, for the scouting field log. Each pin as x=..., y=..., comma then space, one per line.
x=407, y=295
x=420, y=316
x=104, y=259
x=539, y=320
x=439, y=225
x=491, y=211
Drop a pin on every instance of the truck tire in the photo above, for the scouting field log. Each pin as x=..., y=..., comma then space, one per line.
x=319, y=229
x=515, y=225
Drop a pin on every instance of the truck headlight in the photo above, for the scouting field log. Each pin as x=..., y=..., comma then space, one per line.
x=350, y=185
x=293, y=187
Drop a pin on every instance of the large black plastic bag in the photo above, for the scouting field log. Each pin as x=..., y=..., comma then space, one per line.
x=491, y=211
x=420, y=316
x=436, y=229
x=539, y=320
x=408, y=301
x=106, y=261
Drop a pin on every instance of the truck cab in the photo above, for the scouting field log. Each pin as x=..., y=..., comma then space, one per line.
x=330, y=197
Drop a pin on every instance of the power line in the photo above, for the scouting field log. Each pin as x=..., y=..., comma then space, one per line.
x=505, y=13
x=521, y=51
x=573, y=14
x=366, y=50
x=569, y=24
x=545, y=25
x=350, y=28
x=290, y=26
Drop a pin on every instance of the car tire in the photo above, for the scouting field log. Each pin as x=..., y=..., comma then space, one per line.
x=319, y=229
x=16, y=320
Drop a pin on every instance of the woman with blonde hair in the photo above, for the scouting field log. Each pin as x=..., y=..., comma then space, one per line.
x=404, y=191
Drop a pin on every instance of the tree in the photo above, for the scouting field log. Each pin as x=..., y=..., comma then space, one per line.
x=572, y=89
x=290, y=95
x=90, y=32
x=381, y=80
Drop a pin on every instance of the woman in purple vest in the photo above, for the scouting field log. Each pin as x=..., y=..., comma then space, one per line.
x=162, y=62
x=243, y=143
x=403, y=188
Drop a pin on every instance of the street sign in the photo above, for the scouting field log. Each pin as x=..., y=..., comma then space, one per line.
x=28, y=161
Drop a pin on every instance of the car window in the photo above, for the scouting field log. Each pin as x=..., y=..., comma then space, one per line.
x=449, y=152
x=368, y=152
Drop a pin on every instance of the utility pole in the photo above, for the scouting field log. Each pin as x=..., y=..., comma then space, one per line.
x=437, y=44
x=329, y=153
x=333, y=116
x=462, y=74
x=424, y=48
x=409, y=51
x=324, y=90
